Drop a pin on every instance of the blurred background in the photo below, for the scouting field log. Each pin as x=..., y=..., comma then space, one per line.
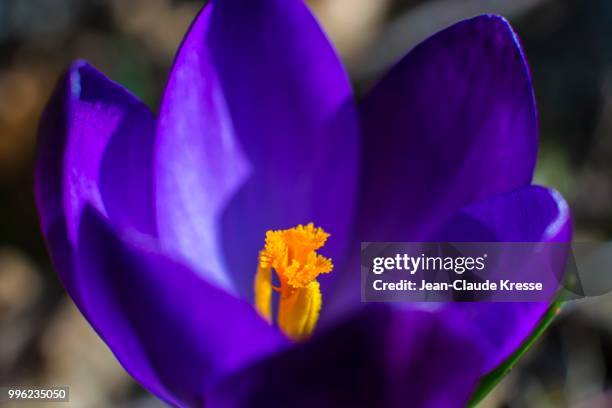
x=45, y=341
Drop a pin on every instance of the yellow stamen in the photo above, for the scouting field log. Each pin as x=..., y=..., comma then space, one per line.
x=263, y=293
x=292, y=254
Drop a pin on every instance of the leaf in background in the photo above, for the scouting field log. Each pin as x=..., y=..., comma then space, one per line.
x=488, y=382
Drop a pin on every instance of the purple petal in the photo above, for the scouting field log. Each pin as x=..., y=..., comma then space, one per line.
x=376, y=358
x=529, y=214
x=532, y=214
x=453, y=122
x=95, y=146
x=173, y=331
x=257, y=131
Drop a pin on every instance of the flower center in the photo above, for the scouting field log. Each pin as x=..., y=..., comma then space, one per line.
x=291, y=253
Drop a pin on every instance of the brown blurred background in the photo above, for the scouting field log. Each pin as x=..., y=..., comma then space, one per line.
x=44, y=341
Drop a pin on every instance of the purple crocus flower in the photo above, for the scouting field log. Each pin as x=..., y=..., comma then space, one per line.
x=155, y=222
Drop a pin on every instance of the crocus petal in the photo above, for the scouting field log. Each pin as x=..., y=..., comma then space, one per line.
x=375, y=358
x=532, y=214
x=173, y=331
x=95, y=145
x=529, y=214
x=257, y=131
x=453, y=122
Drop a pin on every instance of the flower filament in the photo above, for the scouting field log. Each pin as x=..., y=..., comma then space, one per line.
x=291, y=253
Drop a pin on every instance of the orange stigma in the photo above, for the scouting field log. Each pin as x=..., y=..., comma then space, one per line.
x=291, y=253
